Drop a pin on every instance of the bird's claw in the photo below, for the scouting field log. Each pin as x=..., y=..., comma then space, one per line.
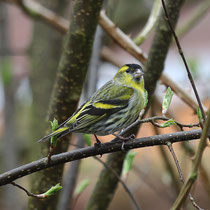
x=97, y=144
x=122, y=147
x=131, y=137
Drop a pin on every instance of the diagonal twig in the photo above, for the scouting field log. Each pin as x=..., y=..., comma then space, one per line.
x=121, y=181
x=184, y=60
x=195, y=165
x=181, y=174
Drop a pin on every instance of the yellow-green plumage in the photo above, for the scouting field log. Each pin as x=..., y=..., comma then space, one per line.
x=113, y=107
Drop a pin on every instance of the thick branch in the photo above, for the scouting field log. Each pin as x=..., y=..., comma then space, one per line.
x=105, y=148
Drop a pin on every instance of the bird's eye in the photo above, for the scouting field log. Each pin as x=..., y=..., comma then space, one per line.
x=128, y=70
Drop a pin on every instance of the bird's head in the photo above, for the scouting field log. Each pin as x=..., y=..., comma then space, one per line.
x=131, y=75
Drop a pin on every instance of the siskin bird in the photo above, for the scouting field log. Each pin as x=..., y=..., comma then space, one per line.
x=113, y=107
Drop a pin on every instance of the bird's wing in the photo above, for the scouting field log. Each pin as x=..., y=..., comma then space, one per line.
x=102, y=104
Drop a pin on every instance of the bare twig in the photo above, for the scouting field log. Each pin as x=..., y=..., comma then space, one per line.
x=181, y=174
x=121, y=181
x=121, y=38
x=195, y=165
x=153, y=119
x=176, y=161
x=184, y=60
x=36, y=10
x=39, y=196
x=168, y=164
x=151, y=23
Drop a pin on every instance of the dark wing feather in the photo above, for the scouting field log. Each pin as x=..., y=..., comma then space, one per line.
x=90, y=113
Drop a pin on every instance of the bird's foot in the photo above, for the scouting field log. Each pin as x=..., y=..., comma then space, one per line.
x=97, y=145
x=98, y=142
x=131, y=137
x=124, y=139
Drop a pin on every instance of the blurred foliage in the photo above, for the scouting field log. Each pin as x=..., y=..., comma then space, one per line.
x=82, y=186
x=87, y=139
x=6, y=71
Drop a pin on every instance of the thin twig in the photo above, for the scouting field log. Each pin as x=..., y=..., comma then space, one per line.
x=181, y=174
x=39, y=196
x=176, y=161
x=184, y=60
x=121, y=38
x=168, y=164
x=121, y=181
x=195, y=165
x=155, y=118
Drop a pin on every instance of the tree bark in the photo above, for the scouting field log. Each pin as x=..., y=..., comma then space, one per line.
x=71, y=73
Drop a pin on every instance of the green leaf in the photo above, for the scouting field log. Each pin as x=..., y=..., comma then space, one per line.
x=82, y=186
x=87, y=139
x=6, y=71
x=199, y=114
x=53, y=190
x=54, y=126
x=145, y=98
x=128, y=163
x=168, y=123
x=167, y=100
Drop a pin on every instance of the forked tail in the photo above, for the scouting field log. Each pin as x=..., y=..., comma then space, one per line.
x=59, y=133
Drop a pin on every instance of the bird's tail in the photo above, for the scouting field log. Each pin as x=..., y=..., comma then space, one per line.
x=59, y=133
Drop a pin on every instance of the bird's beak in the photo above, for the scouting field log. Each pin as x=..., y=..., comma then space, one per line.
x=138, y=74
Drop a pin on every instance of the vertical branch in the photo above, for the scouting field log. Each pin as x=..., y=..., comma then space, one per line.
x=71, y=73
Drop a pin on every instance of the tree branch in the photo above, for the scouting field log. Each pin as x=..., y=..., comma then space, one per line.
x=105, y=148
